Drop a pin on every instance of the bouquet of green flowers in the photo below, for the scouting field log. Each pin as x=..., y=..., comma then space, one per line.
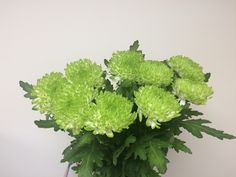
x=124, y=118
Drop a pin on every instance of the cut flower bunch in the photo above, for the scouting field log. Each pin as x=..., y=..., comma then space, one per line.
x=124, y=118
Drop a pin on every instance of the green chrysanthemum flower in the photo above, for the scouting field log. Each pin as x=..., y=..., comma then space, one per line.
x=111, y=113
x=70, y=106
x=195, y=92
x=125, y=64
x=46, y=89
x=187, y=68
x=155, y=73
x=157, y=105
x=84, y=72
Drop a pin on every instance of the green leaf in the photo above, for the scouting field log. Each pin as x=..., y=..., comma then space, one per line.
x=207, y=77
x=179, y=145
x=134, y=46
x=139, y=168
x=85, y=139
x=151, y=149
x=150, y=173
x=106, y=62
x=27, y=88
x=108, y=85
x=157, y=157
x=89, y=155
x=109, y=170
x=147, y=171
x=176, y=130
x=129, y=140
x=47, y=124
x=196, y=127
x=139, y=149
x=189, y=112
x=71, y=153
x=86, y=151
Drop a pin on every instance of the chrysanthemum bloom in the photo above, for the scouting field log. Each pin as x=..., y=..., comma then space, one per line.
x=71, y=105
x=46, y=89
x=111, y=113
x=157, y=105
x=186, y=68
x=125, y=64
x=155, y=73
x=193, y=91
x=84, y=72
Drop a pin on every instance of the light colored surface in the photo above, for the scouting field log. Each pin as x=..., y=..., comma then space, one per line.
x=42, y=36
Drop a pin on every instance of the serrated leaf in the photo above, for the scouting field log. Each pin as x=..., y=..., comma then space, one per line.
x=207, y=77
x=129, y=140
x=134, y=46
x=150, y=173
x=71, y=153
x=196, y=128
x=85, y=139
x=162, y=143
x=87, y=152
x=157, y=157
x=27, y=88
x=179, y=145
x=89, y=156
x=189, y=112
x=140, y=151
x=106, y=62
x=147, y=171
x=109, y=170
x=139, y=168
x=139, y=148
x=176, y=130
x=47, y=124
x=108, y=85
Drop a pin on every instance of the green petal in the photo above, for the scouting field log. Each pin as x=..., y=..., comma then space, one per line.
x=125, y=64
x=70, y=106
x=155, y=73
x=195, y=92
x=186, y=68
x=84, y=72
x=111, y=113
x=46, y=89
x=157, y=105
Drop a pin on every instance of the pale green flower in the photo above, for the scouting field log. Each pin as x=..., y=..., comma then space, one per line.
x=70, y=106
x=111, y=113
x=84, y=72
x=66, y=101
x=46, y=89
x=157, y=105
x=155, y=73
x=195, y=92
x=125, y=64
x=187, y=68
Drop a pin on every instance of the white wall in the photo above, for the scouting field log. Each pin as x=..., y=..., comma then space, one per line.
x=42, y=36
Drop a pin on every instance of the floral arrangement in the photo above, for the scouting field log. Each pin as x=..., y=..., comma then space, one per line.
x=124, y=118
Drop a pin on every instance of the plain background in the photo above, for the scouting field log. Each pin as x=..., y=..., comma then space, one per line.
x=42, y=36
